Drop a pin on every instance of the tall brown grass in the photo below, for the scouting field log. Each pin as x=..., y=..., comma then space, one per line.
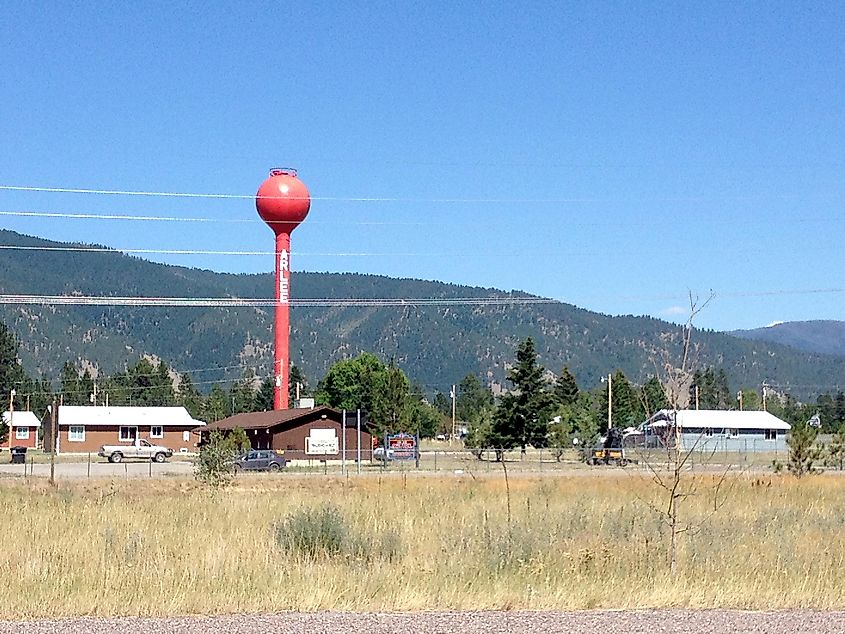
x=403, y=543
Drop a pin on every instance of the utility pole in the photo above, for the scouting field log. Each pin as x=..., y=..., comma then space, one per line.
x=54, y=434
x=697, y=392
x=454, y=396
x=11, y=415
x=765, y=390
x=609, y=379
x=739, y=398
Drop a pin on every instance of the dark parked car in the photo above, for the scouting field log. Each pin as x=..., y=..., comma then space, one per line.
x=260, y=460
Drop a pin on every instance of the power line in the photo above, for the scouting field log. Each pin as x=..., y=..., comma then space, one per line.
x=369, y=199
x=149, y=218
x=228, y=302
x=130, y=250
x=335, y=302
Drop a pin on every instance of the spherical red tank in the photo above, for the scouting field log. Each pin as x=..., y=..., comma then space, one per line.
x=282, y=200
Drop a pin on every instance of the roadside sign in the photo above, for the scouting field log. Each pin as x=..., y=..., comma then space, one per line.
x=402, y=446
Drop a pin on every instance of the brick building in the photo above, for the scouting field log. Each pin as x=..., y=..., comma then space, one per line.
x=84, y=429
x=24, y=429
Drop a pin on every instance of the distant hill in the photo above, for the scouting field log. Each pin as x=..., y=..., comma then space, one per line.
x=435, y=345
x=819, y=336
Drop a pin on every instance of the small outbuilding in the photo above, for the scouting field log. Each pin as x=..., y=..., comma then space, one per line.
x=301, y=433
x=718, y=430
x=84, y=429
x=23, y=429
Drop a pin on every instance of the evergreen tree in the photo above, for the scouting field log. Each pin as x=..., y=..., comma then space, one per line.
x=215, y=405
x=390, y=400
x=566, y=388
x=242, y=393
x=839, y=408
x=189, y=397
x=72, y=391
x=653, y=397
x=11, y=375
x=295, y=376
x=423, y=419
x=442, y=404
x=472, y=398
x=836, y=449
x=804, y=451
x=264, y=397
x=522, y=416
x=713, y=390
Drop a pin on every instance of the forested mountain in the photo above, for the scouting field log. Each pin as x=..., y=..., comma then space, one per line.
x=820, y=336
x=435, y=345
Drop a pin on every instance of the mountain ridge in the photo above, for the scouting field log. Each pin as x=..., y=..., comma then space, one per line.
x=821, y=336
x=436, y=345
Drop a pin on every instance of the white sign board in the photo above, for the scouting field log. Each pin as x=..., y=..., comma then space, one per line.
x=321, y=442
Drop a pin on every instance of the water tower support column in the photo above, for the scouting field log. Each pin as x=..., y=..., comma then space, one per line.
x=281, y=356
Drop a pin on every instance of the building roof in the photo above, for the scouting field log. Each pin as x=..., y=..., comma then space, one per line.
x=272, y=418
x=22, y=419
x=93, y=415
x=720, y=419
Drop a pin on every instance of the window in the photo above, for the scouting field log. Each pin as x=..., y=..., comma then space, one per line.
x=22, y=433
x=708, y=432
x=127, y=434
x=76, y=433
x=186, y=436
x=770, y=434
x=156, y=431
x=732, y=433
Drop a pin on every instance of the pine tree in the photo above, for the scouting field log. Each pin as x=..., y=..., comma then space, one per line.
x=566, y=388
x=522, y=416
x=189, y=397
x=472, y=398
x=295, y=376
x=653, y=397
x=804, y=451
x=264, y=397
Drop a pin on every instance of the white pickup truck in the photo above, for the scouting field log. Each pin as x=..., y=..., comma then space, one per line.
x=139, y=449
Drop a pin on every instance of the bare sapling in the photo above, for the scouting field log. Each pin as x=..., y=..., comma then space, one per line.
x=676, y=480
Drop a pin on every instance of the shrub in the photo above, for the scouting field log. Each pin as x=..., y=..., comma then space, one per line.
x=325, y=533
x=213, y=466
x=804, y=451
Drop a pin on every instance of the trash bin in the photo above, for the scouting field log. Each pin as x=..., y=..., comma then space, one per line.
x=18, y=455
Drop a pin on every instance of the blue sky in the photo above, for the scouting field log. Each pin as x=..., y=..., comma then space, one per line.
x=611, y=155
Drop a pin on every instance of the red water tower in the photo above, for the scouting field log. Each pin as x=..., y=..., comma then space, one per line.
x=282, y=202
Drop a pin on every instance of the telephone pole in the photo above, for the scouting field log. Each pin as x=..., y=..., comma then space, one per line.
x=454, y=396
x=696, y=397
x=609, y=379
x=11, y=415
x=765, y=390
x=739, y=398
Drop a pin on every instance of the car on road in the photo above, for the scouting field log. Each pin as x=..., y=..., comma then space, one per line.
x=140, y=448
x=260, y=460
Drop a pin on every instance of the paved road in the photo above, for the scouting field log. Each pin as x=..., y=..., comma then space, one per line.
x=605, y=622
x=104, y=469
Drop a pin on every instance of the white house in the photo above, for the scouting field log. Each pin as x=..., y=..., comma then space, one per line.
x=24, y=429
x=719, y=430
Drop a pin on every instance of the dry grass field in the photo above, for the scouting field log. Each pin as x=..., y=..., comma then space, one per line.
x=397, y=543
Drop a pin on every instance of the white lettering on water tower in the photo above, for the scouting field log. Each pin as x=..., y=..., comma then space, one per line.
x=284, y=265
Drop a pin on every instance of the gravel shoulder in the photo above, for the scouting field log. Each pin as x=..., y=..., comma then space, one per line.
x=607, y=622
